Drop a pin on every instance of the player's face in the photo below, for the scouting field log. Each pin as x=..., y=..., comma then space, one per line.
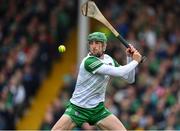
x=96, y=48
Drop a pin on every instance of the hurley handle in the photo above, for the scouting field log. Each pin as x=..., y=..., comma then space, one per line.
x=125, y=43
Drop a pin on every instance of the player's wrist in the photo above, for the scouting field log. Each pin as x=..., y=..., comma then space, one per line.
x=128, y=55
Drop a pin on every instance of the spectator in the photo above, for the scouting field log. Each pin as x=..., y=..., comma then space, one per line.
x=29, y=32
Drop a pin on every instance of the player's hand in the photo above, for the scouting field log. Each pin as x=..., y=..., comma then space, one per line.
x=130, y=51
x=137, y=56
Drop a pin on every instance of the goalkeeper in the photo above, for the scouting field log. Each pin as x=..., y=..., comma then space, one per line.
x=87, y=102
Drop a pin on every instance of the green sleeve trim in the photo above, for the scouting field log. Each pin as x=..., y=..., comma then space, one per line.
x=92, y=63
x=116, y=63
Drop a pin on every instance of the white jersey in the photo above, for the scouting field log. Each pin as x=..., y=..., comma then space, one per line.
x=93, y=77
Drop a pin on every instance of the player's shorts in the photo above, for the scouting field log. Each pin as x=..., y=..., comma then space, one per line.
x=81, y=115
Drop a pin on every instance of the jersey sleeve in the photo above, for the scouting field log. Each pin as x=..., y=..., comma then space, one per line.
x=92, y=64
x=125, y=71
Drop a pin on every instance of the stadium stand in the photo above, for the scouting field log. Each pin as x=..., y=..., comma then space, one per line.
x=30, y=32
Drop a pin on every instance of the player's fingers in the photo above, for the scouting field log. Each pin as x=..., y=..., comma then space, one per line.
x=131, y=48
x=131, y=45
x=128, y=51
x=137, y=52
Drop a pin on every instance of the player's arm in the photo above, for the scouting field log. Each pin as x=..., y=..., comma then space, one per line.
x=131, y=75
x=129, y=52
x=94, y=65
x=121, y=71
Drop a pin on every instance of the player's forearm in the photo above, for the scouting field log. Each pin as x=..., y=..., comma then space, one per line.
x=121, y=71
x=129, y=59
x=131, y=76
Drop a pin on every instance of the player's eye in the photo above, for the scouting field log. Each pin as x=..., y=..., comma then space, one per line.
x=95, y=42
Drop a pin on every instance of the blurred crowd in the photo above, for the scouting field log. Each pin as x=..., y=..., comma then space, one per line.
x=30, y=31
x=153, y=101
